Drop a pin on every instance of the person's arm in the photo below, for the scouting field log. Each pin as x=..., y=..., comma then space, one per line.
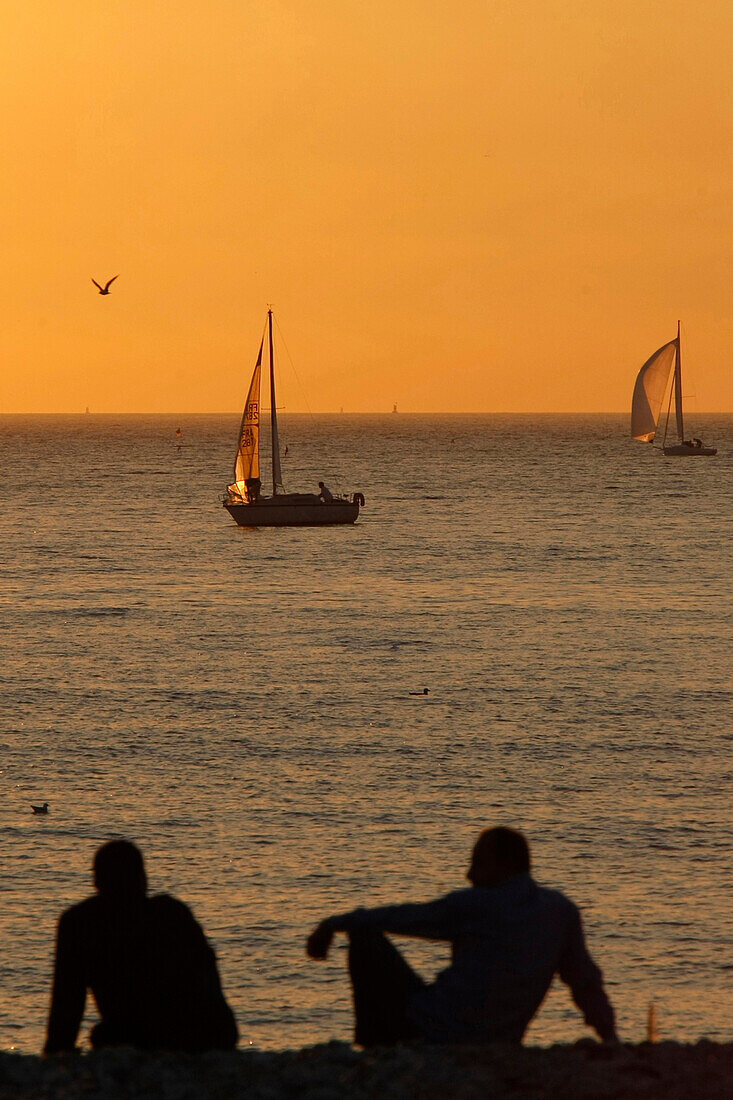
x=431, y=920
x=585, y=980
x=69, y=991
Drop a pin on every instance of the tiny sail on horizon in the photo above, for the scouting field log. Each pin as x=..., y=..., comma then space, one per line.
x=651, y=384
x=247, y=461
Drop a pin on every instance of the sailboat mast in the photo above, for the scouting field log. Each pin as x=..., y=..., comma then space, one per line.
x=678, y=388
x=276, y=471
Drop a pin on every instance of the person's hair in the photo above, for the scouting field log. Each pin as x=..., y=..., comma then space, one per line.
x=508, y=848
x=119, y=868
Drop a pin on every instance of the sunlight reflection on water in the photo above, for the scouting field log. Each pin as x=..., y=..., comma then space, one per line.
x=238, y=701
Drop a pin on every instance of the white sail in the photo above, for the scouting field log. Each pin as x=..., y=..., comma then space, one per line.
x=247, y=461
x=651, y=383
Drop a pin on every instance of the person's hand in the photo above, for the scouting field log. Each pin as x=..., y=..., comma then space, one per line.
x=319, y=941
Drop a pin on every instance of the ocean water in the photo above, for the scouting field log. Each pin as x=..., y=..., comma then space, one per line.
x=238, y=701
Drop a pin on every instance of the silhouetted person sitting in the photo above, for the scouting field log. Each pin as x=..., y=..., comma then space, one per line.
x=145, y=959
x=509, y=936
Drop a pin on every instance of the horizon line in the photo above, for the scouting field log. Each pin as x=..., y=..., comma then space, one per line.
x=352, y=412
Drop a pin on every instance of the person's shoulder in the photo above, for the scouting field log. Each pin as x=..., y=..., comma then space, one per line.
x=169, y=912
x=81, y=910
x=80, y=921
x=171, y=920
x=557, y=900
x=165, y=905
x=464, y=898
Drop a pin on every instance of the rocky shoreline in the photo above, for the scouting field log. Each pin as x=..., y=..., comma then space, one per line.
x=332, y=1071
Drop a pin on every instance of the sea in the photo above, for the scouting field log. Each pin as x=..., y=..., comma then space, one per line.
x=249, y=706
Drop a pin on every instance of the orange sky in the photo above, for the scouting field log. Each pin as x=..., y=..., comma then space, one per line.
x=494, y=205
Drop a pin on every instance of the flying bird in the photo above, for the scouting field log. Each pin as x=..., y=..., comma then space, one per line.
x=105, y=289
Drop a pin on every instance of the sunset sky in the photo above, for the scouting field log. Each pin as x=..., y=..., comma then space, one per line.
x=492, y=205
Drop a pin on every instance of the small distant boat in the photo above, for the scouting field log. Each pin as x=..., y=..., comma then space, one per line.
x=243, y=499
x=646, y=404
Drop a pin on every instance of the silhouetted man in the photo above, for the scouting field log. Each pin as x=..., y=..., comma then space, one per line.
x=145, y=959
x=509, y=936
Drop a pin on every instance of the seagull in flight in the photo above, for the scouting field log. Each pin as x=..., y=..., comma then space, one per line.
x=105, y=289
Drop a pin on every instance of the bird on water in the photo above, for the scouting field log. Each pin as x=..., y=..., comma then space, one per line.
x=105, y=289
x=40, y=809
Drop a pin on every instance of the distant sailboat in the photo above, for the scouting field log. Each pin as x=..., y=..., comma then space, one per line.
x=243, y=499
x=646, y=404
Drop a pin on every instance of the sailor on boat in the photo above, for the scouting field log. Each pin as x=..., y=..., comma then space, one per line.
x=254, y=487
x=325, y=494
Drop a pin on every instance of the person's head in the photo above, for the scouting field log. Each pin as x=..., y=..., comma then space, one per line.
x=498, y=854
x=119, y=869
x=320, y=484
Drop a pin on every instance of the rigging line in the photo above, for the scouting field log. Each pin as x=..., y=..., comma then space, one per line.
x=262, y=343
x=690, y=376
x=262, y=350
x=336, y=479
x=292, y=364
x=669, y=408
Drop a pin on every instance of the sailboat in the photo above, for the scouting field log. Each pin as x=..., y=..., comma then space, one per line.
x=646, y=404
x=243, y=498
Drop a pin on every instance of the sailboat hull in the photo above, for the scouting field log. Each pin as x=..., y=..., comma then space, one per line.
x=688, y=450
x=293, y=510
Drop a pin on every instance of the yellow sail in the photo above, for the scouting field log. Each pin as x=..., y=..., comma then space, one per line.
x=247, y=461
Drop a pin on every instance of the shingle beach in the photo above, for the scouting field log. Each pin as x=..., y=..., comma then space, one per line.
x=585, y=1071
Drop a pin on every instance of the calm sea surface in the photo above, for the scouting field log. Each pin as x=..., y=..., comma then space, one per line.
x=238, y=701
